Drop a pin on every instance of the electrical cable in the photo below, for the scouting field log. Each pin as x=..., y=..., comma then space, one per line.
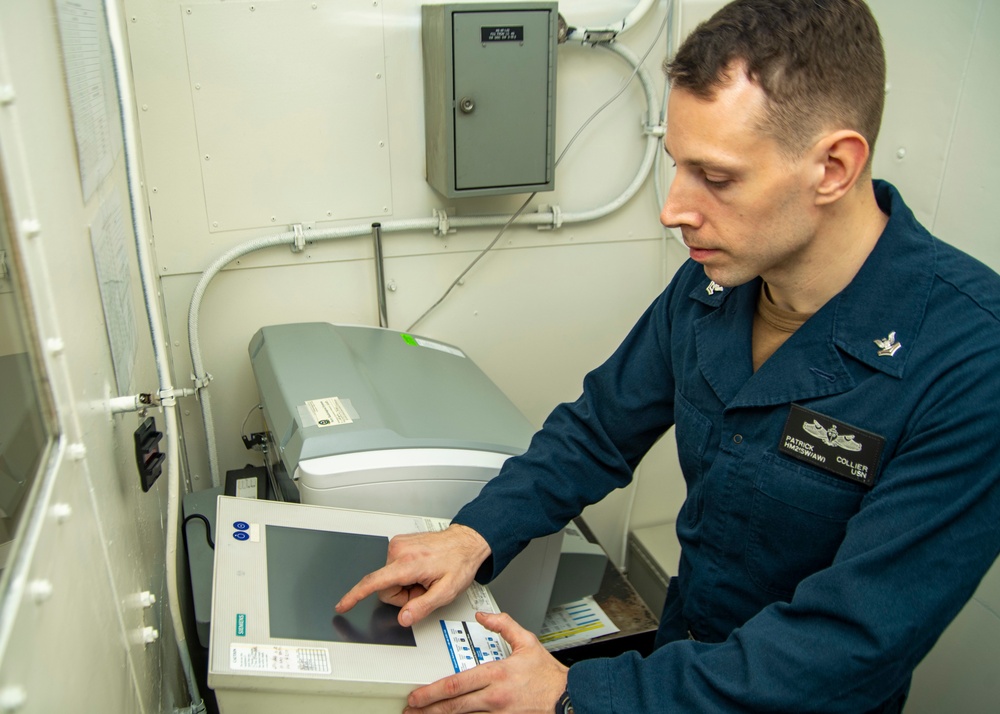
x=562, y=154
x=148, y=280
x=471, y=265
x=208, y=529
x=243, y=427
x=553, y=218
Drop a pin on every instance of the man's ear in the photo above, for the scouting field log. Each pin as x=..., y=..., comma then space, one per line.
x=840, y=161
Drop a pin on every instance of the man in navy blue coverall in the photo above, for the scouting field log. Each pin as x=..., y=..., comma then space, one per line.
x=833, y=374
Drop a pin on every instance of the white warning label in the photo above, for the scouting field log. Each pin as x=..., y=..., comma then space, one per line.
x=328, y=412
x=276, y=658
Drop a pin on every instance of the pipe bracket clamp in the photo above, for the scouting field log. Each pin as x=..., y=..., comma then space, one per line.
x=557, y=217
x=444, y=227
x=167, y=397
x=201, y=383
x=299, y=241
x=654, y=130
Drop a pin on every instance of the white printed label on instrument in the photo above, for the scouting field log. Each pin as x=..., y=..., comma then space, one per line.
x=432, y=525
x=246, y=487
x=329, y=412
x=277, y=658
x=480, y=598
x=471, y=644
x=438, y=346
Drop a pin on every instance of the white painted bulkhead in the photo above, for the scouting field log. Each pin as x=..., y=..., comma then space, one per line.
x=536, y=313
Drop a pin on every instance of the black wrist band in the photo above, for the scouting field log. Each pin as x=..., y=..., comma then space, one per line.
x=564, y=705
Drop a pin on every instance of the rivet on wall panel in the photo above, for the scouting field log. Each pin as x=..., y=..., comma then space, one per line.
x=901, y=153
x=142, y=600
x=61, y=512
x=31, y=227
x=76, y=451
x=39, y=590
x=12, y=698
x=55, y=346
x=7, y=95
x=144, y=635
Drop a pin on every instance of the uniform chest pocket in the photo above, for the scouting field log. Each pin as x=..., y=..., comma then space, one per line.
x=797, y=522
x=692, y=430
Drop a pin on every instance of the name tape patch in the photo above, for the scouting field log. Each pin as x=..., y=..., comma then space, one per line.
x=832, y=445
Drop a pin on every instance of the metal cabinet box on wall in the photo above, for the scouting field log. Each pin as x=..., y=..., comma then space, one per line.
x=490, y=97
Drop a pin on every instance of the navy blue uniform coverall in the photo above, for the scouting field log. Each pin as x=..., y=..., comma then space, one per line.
x=806, y=591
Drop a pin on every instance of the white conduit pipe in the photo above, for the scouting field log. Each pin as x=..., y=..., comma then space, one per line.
x=552, y=218
x=148, y=280
x=588, y=35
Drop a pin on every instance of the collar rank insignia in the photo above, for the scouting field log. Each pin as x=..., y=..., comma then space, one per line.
x=888, y=345
x=714, y=287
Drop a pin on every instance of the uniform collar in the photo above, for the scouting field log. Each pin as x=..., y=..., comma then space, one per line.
x=710, y=292
x=887, y=299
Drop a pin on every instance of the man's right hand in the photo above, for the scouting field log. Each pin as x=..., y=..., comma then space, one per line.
x=423, y=571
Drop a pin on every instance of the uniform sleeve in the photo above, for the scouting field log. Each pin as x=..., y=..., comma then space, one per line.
x=585, y=449
x=852, y=633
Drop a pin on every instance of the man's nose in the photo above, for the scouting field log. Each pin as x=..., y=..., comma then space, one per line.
x=679, y=208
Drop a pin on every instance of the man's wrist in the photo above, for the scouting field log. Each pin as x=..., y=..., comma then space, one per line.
x=477, y=549
x=564, y=705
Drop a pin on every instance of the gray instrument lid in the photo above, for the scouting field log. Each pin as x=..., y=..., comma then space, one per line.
x=401, y=391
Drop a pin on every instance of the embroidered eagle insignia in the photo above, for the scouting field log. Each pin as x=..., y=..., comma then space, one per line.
x=831, y=437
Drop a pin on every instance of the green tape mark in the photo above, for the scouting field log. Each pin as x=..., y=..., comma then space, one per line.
x=408, y=339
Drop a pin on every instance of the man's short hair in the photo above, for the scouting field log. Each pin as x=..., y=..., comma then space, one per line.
x=820, y=64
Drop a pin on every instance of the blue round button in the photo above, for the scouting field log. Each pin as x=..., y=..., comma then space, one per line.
x=241, y=535
x=241, y=526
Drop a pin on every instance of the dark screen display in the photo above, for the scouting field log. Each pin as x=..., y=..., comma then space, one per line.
x=308, y=571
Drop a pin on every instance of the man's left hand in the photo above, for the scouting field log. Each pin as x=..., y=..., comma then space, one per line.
x=529, y=680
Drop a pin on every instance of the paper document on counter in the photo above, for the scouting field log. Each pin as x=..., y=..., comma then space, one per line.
x=575, y=623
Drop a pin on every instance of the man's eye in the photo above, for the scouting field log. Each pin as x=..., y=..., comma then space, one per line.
x=718, y=184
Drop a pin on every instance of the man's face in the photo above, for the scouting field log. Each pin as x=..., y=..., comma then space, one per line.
x=743, y=208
